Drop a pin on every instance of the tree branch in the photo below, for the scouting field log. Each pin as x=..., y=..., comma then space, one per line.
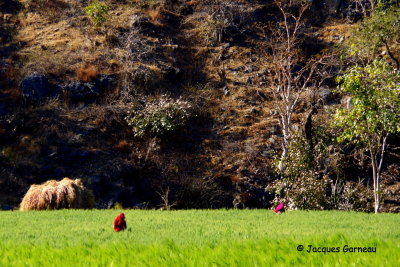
x=382, y=152
x=396, y=61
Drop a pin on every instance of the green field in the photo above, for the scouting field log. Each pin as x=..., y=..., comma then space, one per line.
x=197, y=238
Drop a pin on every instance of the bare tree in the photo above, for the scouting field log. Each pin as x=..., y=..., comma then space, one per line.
x=290, y=73
x=366, y=7
x=137, y=52
x=166, y=202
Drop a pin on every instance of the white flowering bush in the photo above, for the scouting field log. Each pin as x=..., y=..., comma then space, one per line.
x=303, y=192
x=159, y=117
x=355, y=196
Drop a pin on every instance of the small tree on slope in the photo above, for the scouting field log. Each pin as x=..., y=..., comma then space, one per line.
x=374, y=113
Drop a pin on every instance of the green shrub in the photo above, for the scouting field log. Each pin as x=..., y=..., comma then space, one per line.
x=159, y=117
x=97, y=12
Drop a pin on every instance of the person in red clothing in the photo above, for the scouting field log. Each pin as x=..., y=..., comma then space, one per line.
x=280, y=208
x=120, y=223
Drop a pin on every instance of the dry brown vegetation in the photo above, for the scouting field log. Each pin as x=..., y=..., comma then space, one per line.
x=86, y=73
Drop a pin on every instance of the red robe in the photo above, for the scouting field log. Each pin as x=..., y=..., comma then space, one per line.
x=119, y=223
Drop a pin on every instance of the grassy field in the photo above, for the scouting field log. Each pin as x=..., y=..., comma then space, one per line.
x=197, y=238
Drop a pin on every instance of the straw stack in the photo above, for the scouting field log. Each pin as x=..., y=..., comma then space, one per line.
x=64, y=194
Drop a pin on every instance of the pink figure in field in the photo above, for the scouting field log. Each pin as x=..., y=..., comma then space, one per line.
x=280, y=208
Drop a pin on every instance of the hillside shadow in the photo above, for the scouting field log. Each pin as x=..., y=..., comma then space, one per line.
x=10, y=6
x=8, y=47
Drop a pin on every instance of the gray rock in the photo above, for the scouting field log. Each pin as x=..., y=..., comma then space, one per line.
x=105, y=81
x=79, y=91
x=36, y=87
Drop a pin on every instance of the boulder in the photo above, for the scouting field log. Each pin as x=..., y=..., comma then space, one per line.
x=36, y=88
x=105, y=81
x=82, y=92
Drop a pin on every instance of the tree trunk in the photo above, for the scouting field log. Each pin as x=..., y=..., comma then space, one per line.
x=373, y=4
x=378, y=200
x=375, y=178
x=282, y=161
x=285, y=143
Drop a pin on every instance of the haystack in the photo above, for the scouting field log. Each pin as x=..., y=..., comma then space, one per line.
x=64, y=194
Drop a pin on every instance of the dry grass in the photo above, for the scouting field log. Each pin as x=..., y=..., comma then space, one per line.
x=86, y=73
x=155, y=16
x=68, y=46
x=123, y=146
x=332, y=29
x=53, y=194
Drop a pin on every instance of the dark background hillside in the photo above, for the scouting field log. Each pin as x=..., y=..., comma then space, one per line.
x=66, y=87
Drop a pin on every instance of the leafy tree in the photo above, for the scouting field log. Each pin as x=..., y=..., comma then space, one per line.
x=380, y=32
x=374, y=113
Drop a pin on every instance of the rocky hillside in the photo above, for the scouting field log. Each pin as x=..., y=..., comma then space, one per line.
x=76, y=91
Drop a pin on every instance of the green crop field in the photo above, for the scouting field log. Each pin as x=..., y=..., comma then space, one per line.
x=198, y=238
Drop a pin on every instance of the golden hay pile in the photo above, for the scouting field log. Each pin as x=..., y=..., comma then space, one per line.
x=64, y=194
